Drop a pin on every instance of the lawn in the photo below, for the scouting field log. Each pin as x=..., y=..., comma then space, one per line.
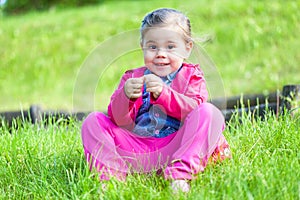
x=253, y=48
x=46, y=162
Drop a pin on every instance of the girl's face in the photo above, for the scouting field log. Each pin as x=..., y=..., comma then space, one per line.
x=164, y=50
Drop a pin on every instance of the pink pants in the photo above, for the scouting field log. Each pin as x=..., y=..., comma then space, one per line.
x=114, y=151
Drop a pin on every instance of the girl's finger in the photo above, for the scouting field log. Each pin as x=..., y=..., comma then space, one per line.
x=154, y=89
x=136, y=95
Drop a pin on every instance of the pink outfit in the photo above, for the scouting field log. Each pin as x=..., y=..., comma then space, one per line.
x=114, y=150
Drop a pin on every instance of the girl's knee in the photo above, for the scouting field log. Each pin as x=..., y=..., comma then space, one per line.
x=92, y=120
x=207, y=110
x=94, y=117
x=89, y=119
x=207, y=113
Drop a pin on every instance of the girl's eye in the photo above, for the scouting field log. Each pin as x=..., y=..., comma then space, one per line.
x=171, y=46
x=152, y=47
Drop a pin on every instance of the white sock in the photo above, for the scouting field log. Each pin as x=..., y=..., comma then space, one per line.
x=180, y=185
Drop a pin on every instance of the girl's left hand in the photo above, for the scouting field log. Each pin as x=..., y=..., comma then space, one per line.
x=154, y=84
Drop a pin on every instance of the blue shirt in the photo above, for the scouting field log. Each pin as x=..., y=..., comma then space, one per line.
x=151, y=121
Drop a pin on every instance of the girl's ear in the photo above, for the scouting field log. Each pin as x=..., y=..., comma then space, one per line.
x=189, y=48
x=141, y=43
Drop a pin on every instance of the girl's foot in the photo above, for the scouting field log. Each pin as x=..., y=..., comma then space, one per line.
x=180, y=186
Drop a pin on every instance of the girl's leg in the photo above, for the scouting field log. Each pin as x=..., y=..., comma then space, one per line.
x=201, y=133
x=98, y=134
x=111, y=149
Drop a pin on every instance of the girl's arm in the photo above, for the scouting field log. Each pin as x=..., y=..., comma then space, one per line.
x=121, y=110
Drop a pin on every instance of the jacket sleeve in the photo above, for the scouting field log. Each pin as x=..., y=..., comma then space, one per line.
x=121, y=109
x=179, y=104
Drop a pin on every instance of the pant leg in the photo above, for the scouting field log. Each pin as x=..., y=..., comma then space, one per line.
x=114, y=151
x=201, y=132
x=99, y=146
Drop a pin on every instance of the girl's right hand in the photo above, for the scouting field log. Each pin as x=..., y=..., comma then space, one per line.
x=133, y=87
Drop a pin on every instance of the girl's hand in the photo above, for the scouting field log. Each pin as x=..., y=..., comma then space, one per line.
x=133, y=87
x=154, y=84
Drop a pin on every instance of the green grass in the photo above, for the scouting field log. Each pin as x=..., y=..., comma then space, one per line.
x=255, y=47
x=47, y=162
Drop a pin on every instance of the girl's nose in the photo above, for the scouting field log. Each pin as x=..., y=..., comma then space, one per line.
x=161, y=53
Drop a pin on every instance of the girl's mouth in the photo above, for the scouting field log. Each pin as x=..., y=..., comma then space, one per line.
x=161, y=64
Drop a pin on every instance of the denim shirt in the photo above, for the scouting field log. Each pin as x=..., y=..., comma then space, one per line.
x=151, y=121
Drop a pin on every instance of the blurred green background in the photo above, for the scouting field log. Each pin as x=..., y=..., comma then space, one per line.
x=254, y=45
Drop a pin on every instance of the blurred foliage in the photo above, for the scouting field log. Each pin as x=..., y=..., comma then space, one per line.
x=22, y=6
x=255, y=48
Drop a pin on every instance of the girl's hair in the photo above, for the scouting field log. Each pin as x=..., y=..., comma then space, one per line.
x=167, y=17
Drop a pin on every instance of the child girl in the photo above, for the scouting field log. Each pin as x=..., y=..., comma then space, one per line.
x=158, y=118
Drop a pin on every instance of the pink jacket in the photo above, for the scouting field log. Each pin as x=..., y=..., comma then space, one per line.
x=186, y=92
